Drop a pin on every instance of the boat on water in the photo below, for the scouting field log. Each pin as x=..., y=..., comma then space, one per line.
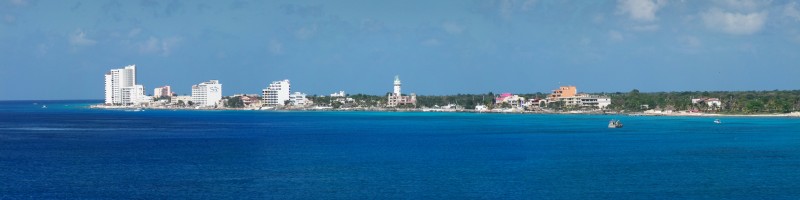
x=614, y=124
x=44, y=106
x=717, y=121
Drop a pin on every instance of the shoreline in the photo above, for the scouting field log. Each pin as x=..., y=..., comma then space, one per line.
x=420, y=110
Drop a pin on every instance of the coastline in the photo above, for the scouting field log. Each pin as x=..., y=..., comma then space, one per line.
x=422, y=110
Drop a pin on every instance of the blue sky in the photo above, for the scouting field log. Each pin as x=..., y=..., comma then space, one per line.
x=61, y=49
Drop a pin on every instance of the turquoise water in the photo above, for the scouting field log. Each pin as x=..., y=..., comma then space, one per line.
x=68, y=151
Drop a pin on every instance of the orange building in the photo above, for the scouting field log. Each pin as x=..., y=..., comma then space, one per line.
x=563, y=91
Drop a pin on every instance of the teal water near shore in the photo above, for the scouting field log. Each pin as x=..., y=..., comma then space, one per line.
x=68, y=151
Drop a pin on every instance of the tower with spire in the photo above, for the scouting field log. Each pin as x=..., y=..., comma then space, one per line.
x=396, y=98
x=397, y=86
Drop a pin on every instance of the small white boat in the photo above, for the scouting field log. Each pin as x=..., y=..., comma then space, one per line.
x=717, y=121
x=614, y=124
x=44, y=106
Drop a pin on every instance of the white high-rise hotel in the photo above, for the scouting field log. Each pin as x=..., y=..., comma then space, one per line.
x=121, y=87
x=207, y=93
x=277, y=93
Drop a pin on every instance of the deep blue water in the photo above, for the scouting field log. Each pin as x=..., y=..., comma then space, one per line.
x=68, y=151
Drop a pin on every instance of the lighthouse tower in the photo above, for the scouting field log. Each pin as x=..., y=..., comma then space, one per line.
x=397, y=85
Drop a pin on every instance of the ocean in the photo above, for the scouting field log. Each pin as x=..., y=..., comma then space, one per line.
x=68, y=151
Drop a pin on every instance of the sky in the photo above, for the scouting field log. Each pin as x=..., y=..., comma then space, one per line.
x=62, y=49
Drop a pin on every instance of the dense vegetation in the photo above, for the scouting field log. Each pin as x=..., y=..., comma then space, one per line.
x=732, y=102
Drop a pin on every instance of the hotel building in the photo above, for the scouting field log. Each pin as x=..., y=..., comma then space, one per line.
x=277, y=93
x=563, y=91
x=121, y=88
x=164, y=91
x=571, y=98
x=207, y=94
x=299, y=99
x=396, y=98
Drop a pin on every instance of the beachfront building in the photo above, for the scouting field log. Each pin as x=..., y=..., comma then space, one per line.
x=713, y=103
x=121, y=88
x=164, y=91
x=396, y=98
x=299, y=99
x=277, y=94
x=595, y=102
x=338, y=94
x=563, y=92
x=249, y=100
x=185, y=99
x=207, y=94
x=569, y=97
x=510, y=99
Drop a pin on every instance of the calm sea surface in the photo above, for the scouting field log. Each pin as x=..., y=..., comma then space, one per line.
x=68, y=151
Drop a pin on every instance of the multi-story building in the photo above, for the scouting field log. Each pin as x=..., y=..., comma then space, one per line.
x=121, y=88
x=396, y=98
x=570, y=97
x=338, y=94
x=511, y=99
x=207, y=94
x=277, y=93
x=299, y=99
x=595, y=101
x=184, y=99
x=563, y=91
x=164, y=91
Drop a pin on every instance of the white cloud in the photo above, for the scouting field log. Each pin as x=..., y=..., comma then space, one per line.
x=134, y=32
x=9, y=19
x=306, y=32
x=431, y=42
x=160, y=46
x=78, y=38
x=506, y=8
x=734, y=23
x=527, y=5
x=640, y=10
x=275, y=47
x=19, y=2
x=648, y=27
x=452, y=28
x=744, y=5
x=790, y=10
x=585, y=41
x=615, y=36
x=691, y=41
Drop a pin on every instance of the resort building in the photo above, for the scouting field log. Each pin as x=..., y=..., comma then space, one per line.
x=595, y=102
x=164, y=91
x=121, y=88
x=570, y=97
x=563, y=91
x=277, y=93
x=513, y=100
x=184, y=99
x=338, y=94
x=710, y=102
x=299, y=99
x=396, y=98
x=207, y=94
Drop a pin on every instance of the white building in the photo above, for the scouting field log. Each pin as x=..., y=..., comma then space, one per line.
x=207, y=93
x=121, y=88
x=184, y=99
x=396, y=98
x=338, y=94
x=597, y=102
x=164, y=91
x=277, y=93
x=299, y=99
